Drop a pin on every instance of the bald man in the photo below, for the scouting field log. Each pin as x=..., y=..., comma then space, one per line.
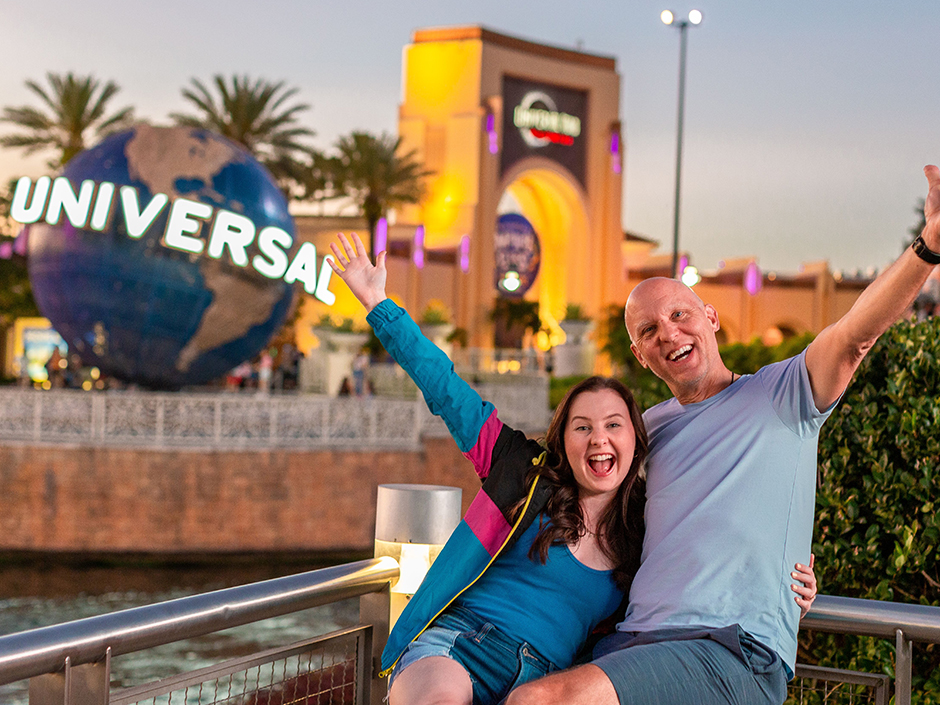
x=730, y=498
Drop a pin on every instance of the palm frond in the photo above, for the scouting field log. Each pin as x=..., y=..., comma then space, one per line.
x=70, y=107
x=255, y=113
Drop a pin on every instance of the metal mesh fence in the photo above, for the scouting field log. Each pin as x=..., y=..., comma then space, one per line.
x=829, y=686
x=328, y=670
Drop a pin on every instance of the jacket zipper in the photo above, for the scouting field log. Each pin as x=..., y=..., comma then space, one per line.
x=525, y=508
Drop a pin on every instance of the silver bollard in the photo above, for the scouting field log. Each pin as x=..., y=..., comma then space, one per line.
x=412, y=524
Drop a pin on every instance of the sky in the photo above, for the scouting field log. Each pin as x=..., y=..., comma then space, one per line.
x=807, y=123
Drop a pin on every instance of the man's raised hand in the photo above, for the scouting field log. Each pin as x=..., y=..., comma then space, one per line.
x=365, y=280
x=931, y=232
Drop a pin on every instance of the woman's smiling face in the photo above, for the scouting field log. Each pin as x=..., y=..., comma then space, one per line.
x=599, y=441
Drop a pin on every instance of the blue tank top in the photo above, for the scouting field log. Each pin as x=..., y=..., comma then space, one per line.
x=554, y=607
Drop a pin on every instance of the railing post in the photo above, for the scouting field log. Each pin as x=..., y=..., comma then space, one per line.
x=217, y=424
x=375, y=609
x=902, y=669
x=98, y=416
x=160, y=420
x=37, y=417
x=420, y=407
x=273, y=407
x=88, y=684
x=373, y=420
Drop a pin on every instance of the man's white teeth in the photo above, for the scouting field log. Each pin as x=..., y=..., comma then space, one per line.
x=676, y=354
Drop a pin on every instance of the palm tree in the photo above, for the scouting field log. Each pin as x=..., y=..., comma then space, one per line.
x=320, y=179
x=372, y=173
x=75, y=105
x=254, y=114
x=8, y=227
x=16, y=295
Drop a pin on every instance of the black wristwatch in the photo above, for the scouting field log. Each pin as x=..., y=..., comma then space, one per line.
x=925, y=253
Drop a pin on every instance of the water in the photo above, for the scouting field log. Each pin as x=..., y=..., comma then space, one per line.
x=40, y=594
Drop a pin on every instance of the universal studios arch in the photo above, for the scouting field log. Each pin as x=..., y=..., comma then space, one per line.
x=512, y=128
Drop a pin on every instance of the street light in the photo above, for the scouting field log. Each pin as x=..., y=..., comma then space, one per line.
x=694, y=18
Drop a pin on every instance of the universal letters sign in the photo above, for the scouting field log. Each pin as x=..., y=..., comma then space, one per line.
x=545, y=121
x=93, y=205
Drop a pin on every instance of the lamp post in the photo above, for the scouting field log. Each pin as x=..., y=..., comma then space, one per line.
x=694, y=18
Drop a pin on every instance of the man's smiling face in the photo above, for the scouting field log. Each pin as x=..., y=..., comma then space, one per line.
x=673, y=334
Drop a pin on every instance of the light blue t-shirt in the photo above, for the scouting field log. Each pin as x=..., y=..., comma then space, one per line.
x=554, y=607
x=730, y=497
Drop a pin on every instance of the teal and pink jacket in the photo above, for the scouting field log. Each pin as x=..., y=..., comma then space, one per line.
x=501, y=456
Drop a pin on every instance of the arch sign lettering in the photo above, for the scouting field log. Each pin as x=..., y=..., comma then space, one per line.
x=546, y=121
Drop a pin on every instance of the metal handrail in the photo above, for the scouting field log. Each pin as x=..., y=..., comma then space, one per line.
x=45, y=650
x=850, y=615
x=905, y=623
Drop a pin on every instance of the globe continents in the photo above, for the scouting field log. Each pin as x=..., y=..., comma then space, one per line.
x=133, y=306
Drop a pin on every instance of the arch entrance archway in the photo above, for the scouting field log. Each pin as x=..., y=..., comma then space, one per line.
x=552, y=201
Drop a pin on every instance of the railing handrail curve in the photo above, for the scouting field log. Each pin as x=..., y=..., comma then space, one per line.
x=39, y=651
x=851, y=615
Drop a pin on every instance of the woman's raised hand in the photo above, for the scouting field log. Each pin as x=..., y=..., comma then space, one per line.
x=365, y=280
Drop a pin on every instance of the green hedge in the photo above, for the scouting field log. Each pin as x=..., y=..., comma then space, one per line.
x=877, y=528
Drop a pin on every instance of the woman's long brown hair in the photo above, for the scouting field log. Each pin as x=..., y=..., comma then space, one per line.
x=621, y=527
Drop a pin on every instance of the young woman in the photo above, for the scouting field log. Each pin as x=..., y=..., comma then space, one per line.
x=548, y=547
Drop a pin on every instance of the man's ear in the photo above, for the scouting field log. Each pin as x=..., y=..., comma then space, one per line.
x=712, y=315
x=638, y=356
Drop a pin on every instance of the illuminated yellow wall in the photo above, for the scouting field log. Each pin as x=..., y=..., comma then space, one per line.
x=453, y=77
x=440, y=117
x=321, y=232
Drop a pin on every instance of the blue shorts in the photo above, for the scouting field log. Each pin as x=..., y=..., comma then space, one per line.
x=495, y=662
x=703, y=666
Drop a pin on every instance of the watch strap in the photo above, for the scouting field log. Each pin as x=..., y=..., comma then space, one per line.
x=925, y=253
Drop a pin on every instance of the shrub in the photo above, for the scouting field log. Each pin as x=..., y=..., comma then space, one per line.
x=877, y=527
x=575, y=312
x=345, y=325
x=435, y=313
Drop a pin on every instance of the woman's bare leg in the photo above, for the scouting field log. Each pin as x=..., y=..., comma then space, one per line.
x=435, y=680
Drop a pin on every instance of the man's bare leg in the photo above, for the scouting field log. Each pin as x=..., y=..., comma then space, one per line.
x=435, y=680
x=583, y=685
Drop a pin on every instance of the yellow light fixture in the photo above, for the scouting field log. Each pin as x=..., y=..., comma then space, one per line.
x=412, y=524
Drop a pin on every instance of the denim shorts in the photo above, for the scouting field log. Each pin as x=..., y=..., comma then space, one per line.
x=495, y=662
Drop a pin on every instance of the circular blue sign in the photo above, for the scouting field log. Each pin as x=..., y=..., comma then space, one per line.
x=518, y=255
